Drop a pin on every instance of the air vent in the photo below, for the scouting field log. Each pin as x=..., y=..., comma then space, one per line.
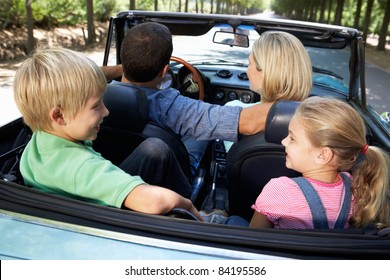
x=243, y=76
x=224, y=73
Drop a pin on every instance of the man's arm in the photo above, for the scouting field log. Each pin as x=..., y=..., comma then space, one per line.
x=252, y=119
x=112, y=72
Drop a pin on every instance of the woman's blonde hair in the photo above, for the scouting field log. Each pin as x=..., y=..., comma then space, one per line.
x=285, y=64
x=55, y=77
x=335, y=124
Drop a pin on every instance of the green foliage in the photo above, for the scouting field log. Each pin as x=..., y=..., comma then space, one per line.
x=12, y=13
x=104, y=9
x=145, y=5
x=303, y=9
x=49, y=13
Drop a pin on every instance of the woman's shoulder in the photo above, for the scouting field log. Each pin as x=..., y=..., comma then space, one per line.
x=240, y=103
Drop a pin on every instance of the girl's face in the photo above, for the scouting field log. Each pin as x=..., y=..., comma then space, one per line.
x=255, y=76
x=300, y=154
x=86, y=124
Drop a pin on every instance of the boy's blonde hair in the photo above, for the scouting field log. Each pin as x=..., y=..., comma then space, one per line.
x=55, y=77
x=285, y=64
x=335, y=124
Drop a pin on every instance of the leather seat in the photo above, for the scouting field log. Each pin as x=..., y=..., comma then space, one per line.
x=128, y=125
x=255, y=159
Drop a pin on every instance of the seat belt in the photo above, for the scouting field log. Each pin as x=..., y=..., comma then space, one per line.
x=320, y=220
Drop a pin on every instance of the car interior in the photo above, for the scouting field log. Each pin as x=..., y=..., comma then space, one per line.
x=225, y=180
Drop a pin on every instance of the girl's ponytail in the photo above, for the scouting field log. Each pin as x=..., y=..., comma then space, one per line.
x=371, y=188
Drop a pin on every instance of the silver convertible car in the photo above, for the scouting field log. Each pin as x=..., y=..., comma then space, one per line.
x=207, y=64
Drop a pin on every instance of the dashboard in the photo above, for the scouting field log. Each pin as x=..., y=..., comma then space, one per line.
x=225, y=83
x=228, y=85
x=221, y=85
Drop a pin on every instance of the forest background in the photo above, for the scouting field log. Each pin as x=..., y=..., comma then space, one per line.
x=22, y=21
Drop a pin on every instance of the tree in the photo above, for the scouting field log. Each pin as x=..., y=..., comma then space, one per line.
x=385, y=26
x=218, y=7
x=322, y=12
x=30, y=27
x=357, y=14
x=367, y=19
x=339, y=12
x=329, y=10
x=132, y=5
x=90, y=23
x=186, y=6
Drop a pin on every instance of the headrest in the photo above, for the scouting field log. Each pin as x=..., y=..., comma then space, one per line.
x=128, y=106
x=278, y=119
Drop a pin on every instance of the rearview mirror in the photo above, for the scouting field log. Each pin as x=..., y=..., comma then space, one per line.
x=231, y=39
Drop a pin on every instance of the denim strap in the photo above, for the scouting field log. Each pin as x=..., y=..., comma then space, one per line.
x=320, y=220
x=343, y=215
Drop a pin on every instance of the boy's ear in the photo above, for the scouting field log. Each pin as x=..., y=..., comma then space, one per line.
x=57, y=116
x=325, y=156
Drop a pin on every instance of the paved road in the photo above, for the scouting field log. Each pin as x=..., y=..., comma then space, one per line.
x=378, y=88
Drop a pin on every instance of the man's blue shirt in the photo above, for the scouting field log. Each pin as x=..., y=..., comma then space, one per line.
x=187, y=116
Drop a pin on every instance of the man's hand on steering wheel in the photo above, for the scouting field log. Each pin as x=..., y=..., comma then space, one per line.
x=196, y=77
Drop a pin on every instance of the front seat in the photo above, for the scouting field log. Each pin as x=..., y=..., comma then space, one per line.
x=255, y=159
x=128, y=125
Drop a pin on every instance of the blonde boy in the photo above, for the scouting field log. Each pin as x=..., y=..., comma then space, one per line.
x=59, y=93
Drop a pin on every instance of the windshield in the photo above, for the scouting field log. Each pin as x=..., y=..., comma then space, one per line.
x=330, y=66
x=202, y=48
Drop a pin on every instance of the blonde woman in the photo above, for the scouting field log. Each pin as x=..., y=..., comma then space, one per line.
x=279, y=69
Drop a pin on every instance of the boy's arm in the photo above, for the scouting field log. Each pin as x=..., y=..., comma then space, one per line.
x=157, y=200
x=253, y=118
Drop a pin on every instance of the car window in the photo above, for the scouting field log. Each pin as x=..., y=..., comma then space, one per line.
x=330, y=67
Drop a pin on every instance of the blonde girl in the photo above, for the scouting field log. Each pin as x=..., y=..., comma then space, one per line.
x=327, y=144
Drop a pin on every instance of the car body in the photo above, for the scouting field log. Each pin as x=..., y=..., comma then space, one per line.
x=37, y=225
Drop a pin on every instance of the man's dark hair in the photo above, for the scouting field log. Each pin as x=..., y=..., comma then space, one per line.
x=146, y=49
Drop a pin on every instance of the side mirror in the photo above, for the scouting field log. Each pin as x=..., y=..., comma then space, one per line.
x=231, y=39
x=385, y=116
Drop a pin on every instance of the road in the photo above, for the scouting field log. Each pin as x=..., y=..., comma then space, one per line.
x=378, y=88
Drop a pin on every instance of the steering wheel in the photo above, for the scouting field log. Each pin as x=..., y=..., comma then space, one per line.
x=197, y=78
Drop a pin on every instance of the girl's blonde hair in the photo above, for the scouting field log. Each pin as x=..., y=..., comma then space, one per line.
x=55, y=77
x=335, y=124
x=285, y=64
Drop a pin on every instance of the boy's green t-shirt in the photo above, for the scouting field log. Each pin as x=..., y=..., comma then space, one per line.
x=56, y=165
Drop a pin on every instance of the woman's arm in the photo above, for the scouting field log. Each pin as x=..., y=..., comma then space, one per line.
x=253, y=119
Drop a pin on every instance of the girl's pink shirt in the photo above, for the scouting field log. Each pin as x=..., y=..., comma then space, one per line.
x=284, y=204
